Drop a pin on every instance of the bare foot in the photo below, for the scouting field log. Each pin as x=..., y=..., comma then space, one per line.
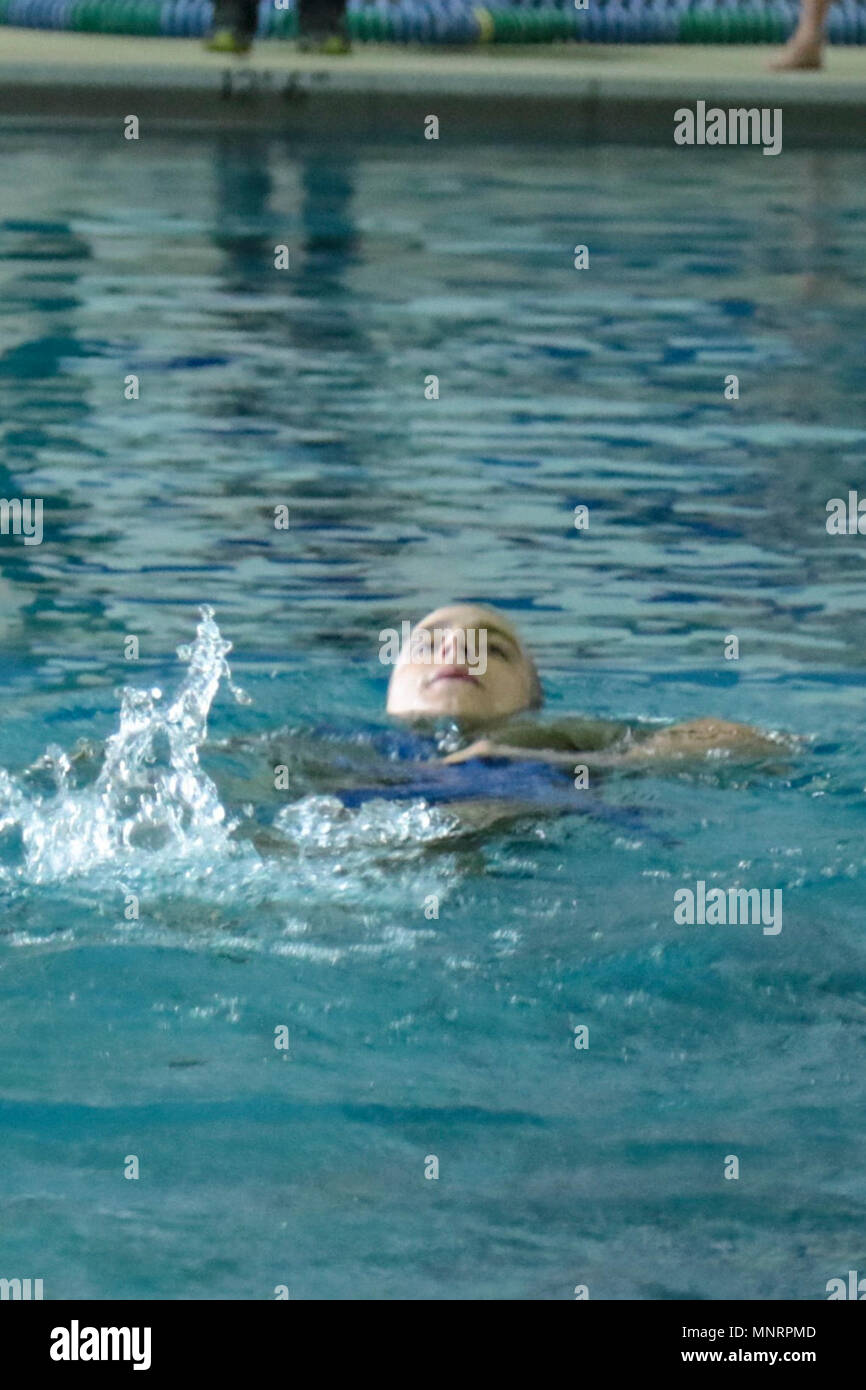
x=801, y=53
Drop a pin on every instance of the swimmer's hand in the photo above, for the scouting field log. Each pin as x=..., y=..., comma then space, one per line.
x=481, y=748
x=701, y=738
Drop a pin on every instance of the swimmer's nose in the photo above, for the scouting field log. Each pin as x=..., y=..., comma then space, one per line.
x=448, y=646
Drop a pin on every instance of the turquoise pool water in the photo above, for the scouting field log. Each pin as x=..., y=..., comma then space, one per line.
x=411, y=1036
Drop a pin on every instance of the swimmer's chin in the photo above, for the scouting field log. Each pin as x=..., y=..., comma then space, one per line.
x=469, y=719
x=466, y=714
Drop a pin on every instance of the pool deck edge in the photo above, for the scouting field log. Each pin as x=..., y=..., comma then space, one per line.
x=574, y=91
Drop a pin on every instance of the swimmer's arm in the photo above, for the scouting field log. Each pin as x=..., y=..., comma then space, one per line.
x=700, y=737
x=487, y=748
x=695, y=739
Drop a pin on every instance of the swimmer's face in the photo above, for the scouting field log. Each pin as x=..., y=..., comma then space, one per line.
x=466, y=662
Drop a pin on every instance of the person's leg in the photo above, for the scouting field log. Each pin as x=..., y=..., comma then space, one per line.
x=234, y=25
x=248, y=15
x=805, y=46
x=322, y=20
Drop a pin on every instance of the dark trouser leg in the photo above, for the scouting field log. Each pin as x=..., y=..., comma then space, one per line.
x=241, y=16
x=322, y=18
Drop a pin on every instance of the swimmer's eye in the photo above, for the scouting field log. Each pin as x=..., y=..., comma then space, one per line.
x=499, y=651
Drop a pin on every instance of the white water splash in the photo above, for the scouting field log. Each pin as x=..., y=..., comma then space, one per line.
x=153, y=808
x=151, y=792
x=323, y=822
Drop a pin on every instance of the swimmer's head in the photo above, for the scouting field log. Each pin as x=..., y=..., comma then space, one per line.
x=467, y=662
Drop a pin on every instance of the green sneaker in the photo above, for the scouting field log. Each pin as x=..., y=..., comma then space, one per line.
x=224, y=41
x=335, y=44
x=330, y=44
